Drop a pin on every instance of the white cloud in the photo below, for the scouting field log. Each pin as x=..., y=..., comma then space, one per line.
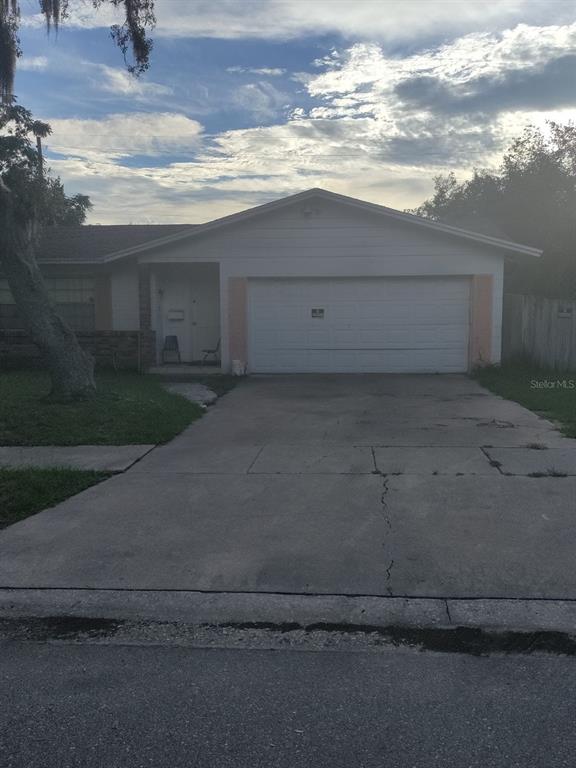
x=242, y=168
x=33, y=63
x=122, y=83
x=80, y=15
x=364, y=83
x=101, y=77
x=264, y=71
x=363, y=137
x=261, y=100
x=122, y=135
x=285, y=19
x=366, y=69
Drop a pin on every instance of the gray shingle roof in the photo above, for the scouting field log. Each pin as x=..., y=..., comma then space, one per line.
x=91, y=244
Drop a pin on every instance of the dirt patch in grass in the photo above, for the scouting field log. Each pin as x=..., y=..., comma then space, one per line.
x=221, y=384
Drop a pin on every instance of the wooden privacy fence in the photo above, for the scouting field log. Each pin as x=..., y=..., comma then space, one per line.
x=539, y=329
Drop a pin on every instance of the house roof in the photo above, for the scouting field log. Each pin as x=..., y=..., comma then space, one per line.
x=93, y=244
x=120, y=241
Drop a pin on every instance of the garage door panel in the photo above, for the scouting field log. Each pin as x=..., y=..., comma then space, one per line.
x=371, y=338
x=345, y=359
x=287, y=338
x=266, y=339
x=285, y=360
x=267, y=312
x=406, y=338
x=379, y=325
x=393, y=289
x=444, y=313
x=399, y=312
x=451, y=336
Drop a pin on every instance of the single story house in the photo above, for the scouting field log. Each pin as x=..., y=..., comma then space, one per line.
x=314, y=282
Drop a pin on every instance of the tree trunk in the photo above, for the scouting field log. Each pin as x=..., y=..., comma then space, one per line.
x=71, y=369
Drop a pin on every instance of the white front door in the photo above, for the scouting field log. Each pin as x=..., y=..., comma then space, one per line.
x=178, y=316
x=348, y=325
x=188, y=307
x=206, y=313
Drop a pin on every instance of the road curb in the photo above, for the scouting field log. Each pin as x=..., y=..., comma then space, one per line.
x=295, y=610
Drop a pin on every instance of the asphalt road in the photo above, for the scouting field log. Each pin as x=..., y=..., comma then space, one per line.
x=115, y=706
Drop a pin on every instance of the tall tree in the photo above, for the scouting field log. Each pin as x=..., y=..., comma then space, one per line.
x=30, y=199
x=529, y=198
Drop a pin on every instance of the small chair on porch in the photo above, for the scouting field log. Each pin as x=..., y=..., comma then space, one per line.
x=171, y=349
x=215, y=353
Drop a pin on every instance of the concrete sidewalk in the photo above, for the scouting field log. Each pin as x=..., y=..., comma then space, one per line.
x=101, y=458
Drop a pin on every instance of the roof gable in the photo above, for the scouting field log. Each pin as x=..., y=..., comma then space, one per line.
x=322, y=194
x=139, y=239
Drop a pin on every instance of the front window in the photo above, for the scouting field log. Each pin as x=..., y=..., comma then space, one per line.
x=74, y=298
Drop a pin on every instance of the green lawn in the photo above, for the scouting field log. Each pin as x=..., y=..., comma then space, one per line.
x=129, y=408
x=549, y=393
x=26, y=491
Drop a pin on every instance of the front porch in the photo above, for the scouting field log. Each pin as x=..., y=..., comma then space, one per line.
x=184, y=301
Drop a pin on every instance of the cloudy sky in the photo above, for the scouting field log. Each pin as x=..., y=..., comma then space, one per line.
x=250, y=100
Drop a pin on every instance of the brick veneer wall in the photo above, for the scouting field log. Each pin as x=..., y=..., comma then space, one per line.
x=125, y=350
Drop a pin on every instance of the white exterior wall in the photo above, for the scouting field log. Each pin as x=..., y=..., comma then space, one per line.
x=332, y=239
x=125, y=301
x=497, y=299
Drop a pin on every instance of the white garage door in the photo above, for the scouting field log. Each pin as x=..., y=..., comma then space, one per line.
x=388, y=325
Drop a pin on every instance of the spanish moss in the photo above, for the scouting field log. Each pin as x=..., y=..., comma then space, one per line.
x=130, y=36
x=53, y=11
x=9, y=47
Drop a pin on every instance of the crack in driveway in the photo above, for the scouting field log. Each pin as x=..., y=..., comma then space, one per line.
x=493, y=463
x=388, y=520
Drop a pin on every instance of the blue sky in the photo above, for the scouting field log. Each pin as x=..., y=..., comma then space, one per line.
x=247, y=101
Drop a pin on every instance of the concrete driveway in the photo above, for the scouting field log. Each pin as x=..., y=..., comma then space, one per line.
x=358, y=485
